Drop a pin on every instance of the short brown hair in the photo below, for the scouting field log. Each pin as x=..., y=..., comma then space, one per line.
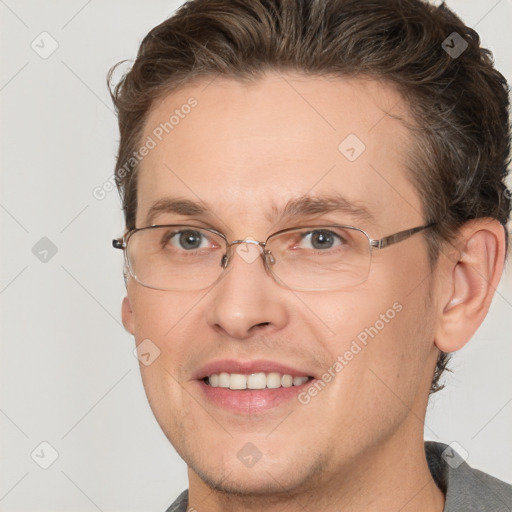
x=461, y=151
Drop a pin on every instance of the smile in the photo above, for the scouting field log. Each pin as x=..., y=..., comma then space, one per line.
x=261, y=380
x=252, y=386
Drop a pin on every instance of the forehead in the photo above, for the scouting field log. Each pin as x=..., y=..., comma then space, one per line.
x=245, y=150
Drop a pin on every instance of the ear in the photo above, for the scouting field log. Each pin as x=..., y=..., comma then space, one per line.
x=470, y=281
x=127, y=315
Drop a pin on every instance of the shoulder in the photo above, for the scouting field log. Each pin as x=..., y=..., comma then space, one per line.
x=181, y=503
x=466, y=488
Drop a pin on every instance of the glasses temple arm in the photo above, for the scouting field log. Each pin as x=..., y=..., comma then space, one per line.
x=398, y=237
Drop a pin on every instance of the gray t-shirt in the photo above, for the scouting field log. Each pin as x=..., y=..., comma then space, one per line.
x=466, y=489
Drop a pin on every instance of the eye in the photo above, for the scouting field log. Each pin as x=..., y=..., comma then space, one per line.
x=321, y=239
x=189, y=240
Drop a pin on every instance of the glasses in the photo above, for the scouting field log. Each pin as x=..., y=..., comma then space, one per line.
x=179, y=257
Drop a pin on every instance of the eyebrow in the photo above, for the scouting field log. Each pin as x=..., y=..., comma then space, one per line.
x=317, y=205
x=177, y=206
x=294, y=209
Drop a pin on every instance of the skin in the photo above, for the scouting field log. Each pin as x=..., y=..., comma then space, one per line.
x=358, y=444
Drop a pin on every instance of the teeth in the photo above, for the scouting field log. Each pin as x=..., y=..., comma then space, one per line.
x=297, y=381
x=286, y=381
x=256, y=381
x=272, y=380
x=223, y=380
x=237, y=381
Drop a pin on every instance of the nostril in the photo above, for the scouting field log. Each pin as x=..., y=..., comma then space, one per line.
x=258, y=327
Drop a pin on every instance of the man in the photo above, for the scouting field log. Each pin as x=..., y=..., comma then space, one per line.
x=315, y=218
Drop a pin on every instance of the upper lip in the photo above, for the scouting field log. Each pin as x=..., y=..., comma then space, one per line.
x=248, y=367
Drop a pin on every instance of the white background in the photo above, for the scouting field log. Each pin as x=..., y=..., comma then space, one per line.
x=68, y=375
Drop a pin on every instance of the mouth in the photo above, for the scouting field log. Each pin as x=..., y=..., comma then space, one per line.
x=260, y=380
x=251, y=387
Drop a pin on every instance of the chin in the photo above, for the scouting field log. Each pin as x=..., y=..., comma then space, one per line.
x=275, y=478
x=249, y=483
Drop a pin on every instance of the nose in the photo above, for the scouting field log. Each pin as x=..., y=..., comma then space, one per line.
x=247, y=299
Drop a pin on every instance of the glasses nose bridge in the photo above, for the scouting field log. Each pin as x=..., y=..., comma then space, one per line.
x=229, y=251
x=247, y=241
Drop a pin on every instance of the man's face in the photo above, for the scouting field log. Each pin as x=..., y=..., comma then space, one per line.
x=245, y=151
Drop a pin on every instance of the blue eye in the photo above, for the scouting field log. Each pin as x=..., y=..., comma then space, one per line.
x=189, y=240
x=322, y=239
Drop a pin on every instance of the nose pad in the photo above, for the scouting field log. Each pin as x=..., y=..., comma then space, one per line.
x=269, y=257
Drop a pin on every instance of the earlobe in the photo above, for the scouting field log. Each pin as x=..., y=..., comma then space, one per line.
x=471, y=283
x=127, y=315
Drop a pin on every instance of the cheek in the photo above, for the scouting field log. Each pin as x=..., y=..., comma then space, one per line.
x=381, y=349
x=164, y=327
x=160, y=315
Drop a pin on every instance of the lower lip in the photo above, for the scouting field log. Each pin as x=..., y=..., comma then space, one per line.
x=250, y=401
